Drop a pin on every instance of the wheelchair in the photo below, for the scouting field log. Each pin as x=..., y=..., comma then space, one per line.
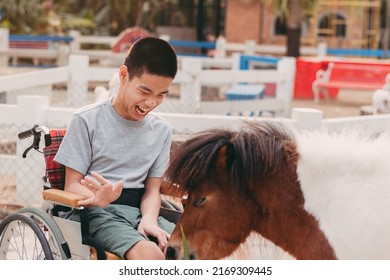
x=59, y=229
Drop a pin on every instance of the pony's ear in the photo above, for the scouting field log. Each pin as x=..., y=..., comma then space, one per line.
x=221, y=158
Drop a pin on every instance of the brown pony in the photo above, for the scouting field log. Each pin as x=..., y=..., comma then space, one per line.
x=266, y=181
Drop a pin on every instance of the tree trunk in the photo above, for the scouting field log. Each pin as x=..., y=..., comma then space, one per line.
x=294, y=19
x=293, y=42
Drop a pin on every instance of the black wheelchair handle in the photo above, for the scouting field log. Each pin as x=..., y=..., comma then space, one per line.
x=28, y=133
x=36, y=132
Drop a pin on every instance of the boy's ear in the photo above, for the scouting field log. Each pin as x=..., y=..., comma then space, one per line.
x=123, y=73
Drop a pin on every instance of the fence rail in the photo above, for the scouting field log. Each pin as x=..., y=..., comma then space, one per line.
x=30, y=110
x=191, y=78
x=73, y=44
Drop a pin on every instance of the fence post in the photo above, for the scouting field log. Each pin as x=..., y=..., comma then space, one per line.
x=236, y=61
x=4, y=45
x=31, y=110
x=220, y=47
x=250, y=46
x=78, y=80
x=75, y=45
x=307, y=118
x=63, y=53
x=321, y=49
x=190, y=93
x=285, y=88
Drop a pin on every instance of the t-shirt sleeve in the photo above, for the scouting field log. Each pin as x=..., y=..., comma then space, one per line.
x=75, y=149
x=159, y=166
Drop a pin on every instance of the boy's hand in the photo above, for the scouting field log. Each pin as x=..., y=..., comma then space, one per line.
x=151, y=230
x=104, y=191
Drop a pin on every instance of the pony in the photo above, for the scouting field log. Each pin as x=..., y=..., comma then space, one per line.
x=102, y=92
x=265, y=190
x=381, y=101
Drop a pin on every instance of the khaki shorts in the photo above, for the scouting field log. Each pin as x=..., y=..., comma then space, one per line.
x=116, y=227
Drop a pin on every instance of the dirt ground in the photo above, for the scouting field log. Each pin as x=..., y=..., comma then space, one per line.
x=347, y=103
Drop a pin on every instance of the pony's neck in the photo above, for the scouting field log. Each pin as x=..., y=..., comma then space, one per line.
x=299, y=235
x=284, y=221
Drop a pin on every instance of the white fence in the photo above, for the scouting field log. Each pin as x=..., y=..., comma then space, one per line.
x=30, y=99
x=182, y=112
x=31, y=110
x=106, y=57
x=190, y=80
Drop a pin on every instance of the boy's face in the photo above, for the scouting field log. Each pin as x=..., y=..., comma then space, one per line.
x=137, y=97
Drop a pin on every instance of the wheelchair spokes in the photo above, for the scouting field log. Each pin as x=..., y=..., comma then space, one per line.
x=22, y=239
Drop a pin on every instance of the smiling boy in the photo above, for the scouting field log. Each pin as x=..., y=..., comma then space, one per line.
x=115, y=153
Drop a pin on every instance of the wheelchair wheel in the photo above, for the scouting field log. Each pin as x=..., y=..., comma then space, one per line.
x=58, y=246
x=21, y=238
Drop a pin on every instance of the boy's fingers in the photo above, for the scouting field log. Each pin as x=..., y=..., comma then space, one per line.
x=90, y=183
x=99, y=177
x=119, y=184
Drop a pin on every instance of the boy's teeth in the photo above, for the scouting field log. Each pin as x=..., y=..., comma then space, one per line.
x=142, y=110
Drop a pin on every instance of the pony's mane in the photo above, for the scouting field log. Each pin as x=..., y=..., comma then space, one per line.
x=255, y=148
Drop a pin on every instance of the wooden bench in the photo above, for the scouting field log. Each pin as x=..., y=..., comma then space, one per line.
x=350, y=75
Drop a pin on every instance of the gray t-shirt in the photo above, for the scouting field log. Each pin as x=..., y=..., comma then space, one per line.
x=99, y=139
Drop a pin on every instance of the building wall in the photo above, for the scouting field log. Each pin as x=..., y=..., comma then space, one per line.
x=250, y=19
x=242, y=20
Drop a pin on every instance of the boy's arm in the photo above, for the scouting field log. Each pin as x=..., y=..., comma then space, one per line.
x=150, y=208
x=73, y=185
x=97, y=190
x=151, y=199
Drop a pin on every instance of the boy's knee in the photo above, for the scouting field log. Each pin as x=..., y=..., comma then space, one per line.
x=145, y=250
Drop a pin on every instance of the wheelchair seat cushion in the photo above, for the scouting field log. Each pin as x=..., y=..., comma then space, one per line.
x=55, y=172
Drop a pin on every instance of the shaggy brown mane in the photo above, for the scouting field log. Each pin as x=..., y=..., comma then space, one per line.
x=256, y=148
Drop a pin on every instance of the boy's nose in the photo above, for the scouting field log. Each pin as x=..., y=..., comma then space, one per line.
x=150, y=102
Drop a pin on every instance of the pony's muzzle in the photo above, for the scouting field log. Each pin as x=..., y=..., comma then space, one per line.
x=174, y=253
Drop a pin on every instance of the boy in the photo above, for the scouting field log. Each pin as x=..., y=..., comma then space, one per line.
x=115, y=153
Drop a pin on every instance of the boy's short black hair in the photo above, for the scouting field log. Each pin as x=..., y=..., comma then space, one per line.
x=151, y=55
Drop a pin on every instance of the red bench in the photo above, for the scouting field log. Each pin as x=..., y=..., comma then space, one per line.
x=28, y=45
x=38, y=47
x=17, y=47
x=350, y=75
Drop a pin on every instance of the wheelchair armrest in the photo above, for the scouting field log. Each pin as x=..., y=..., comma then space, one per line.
x=62, y=197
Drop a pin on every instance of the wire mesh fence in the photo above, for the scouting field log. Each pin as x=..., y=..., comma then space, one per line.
x=8, y=155
x=186, y=95
x=12, y=165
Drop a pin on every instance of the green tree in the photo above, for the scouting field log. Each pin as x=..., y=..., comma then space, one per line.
x=293, y=12
x=21, y=16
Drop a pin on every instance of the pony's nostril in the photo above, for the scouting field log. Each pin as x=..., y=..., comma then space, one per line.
x=171, y=253
x=192, y=256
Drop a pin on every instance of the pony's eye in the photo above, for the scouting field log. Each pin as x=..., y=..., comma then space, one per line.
x=199, y=201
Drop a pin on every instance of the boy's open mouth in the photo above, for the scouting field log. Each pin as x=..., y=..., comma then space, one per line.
x=141, y=110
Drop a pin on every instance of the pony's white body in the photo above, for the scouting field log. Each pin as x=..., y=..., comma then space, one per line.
x=256, y=247
x=345, y=179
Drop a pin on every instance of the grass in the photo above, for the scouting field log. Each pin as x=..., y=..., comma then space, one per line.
x=186, y=255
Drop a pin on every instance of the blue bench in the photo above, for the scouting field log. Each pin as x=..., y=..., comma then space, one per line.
x=245, y=92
